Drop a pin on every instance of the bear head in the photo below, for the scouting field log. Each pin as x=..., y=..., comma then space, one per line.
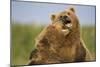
x=66, y=19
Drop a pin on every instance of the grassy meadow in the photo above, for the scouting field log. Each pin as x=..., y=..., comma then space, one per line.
x=22, y=41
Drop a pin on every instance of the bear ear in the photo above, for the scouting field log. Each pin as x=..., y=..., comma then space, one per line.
x=72, y=9
x=53, y=17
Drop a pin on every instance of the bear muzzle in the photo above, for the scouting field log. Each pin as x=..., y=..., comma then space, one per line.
x=65, y=19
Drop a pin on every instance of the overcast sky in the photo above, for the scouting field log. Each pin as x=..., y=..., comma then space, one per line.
x=28, y=12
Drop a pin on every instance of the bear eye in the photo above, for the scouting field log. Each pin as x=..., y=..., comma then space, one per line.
x=68, y=13
x=60, y=16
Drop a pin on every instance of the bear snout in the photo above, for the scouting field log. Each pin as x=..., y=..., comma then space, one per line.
x=65, y=19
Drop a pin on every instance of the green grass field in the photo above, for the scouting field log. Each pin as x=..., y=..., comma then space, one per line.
x=22, y=41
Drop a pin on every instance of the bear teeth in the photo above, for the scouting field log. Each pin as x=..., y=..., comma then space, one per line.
x=68, y=25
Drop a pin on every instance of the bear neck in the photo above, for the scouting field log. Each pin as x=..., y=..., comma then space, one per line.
x=73, y=36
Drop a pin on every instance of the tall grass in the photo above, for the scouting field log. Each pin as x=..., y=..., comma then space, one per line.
x=22, y=41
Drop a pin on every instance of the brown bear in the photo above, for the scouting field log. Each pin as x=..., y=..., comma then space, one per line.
x=61, y=41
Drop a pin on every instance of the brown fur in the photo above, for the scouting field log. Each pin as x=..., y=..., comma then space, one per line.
x=53, y=46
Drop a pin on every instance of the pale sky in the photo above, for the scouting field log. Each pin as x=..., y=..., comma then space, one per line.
x=28, y=12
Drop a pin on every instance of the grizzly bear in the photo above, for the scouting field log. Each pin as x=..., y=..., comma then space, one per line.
x=60, y=42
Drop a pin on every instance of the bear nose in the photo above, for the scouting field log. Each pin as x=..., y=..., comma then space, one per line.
x=65, y=17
